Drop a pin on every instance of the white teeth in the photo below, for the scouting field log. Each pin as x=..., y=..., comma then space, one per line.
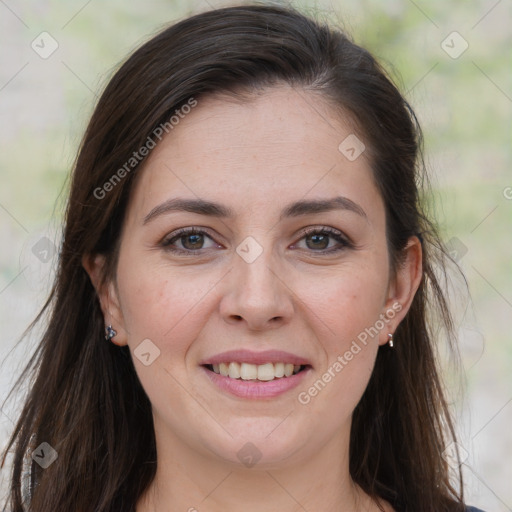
x=266, y=371
x=248, y=371
x=223, y=369
x=234, y=370
x=263, y=372
x=279, y=369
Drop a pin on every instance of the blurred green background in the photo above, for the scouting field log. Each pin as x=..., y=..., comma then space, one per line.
x=464, y=103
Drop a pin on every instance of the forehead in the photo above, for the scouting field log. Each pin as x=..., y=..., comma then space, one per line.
x=280, y=142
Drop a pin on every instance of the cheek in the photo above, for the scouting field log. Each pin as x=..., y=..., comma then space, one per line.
x=347, y=308
x=338, y=387
x=160, y=304
x=170, y=312
x=347, y=301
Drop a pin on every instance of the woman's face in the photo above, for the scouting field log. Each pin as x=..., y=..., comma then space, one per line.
x=254, y=281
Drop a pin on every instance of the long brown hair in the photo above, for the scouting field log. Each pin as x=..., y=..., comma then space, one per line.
x=86, y=400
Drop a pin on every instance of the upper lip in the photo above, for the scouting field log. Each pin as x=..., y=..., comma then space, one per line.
x=247, y=356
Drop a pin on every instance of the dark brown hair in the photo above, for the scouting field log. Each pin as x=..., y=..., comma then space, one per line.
x=86, y=400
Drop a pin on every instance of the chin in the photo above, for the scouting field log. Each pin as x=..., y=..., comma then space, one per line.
x=265, y=443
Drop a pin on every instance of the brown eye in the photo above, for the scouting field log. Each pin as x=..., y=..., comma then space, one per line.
x=191, y=240
x=195, y=240
x=318, y=240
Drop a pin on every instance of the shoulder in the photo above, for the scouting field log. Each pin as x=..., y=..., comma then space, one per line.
x=473, y=509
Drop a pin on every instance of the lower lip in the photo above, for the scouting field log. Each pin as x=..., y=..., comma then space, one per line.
x=255, y=388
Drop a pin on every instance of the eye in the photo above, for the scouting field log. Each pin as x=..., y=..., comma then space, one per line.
x=318, y=240
x=191, y=240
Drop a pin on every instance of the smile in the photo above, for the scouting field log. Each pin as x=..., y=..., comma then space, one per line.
x=262, y=372
x=263, y=381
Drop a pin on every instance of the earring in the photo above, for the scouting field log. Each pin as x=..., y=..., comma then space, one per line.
x=390, y=340
x=109, y=333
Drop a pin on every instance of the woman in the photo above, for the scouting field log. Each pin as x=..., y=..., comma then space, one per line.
x=240, y=312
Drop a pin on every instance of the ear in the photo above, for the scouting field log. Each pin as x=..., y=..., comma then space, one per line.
x=107, y=295
x=403, y=287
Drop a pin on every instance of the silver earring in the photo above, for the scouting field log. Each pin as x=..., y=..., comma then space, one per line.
x=390, y=340
x=109, y=333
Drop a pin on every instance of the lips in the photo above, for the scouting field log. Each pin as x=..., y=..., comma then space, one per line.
x=256, y=375
x=255, y=389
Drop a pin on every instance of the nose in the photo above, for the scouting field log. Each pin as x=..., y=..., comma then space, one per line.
x=257, y=294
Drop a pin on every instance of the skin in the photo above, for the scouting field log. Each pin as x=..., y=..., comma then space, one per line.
x=255, y=157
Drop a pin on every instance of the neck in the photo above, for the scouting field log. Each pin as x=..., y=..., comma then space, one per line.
x=193, y=481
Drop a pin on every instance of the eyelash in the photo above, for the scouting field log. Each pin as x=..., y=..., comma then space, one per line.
x=344, y=242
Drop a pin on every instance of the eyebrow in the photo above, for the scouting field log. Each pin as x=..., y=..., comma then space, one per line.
x=212, y=209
